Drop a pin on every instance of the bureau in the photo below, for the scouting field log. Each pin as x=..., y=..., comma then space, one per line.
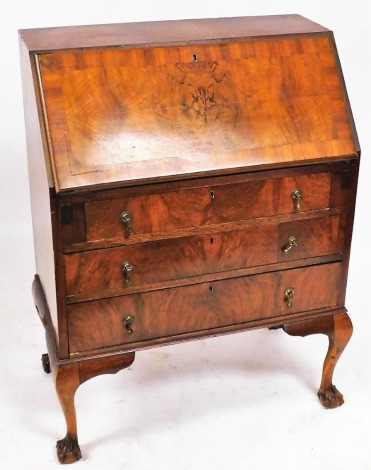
x=188, y=179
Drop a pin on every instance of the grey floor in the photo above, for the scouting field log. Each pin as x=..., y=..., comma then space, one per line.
x=240, y=401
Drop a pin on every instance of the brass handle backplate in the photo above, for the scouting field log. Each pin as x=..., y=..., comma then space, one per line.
x=296, y=196
x=127, y=218
x=128, y=320
x=127, y=267
x=289, y=295
x=291, y=242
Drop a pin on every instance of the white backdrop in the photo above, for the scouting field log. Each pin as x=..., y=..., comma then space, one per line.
x=246, y=400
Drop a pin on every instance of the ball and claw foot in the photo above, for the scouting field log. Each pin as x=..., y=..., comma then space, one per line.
x=331, y=397
x=68, y=450
x=46, y=363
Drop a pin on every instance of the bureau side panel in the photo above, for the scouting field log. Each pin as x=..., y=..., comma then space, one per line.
x=349, y=182
x=40, y=182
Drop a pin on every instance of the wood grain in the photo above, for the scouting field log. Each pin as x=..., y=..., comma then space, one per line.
x=186, y=110
x=40, y=180
x=200, y=130
x=316, y=237
x=98, y=273
x=338, y=328
x=156, y=32
x=99, y=324
x=154, y=214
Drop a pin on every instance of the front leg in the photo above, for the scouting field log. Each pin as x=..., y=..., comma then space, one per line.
x=338, y=328
x=67, y=380
x=68, y=377
x=70, y=374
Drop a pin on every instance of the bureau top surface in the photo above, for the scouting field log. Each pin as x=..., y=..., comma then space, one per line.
x=160, y=32
x=143, y=102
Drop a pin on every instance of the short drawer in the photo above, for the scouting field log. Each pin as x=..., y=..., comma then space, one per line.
x=101, y=273
x=167, y=313
x=123, y=219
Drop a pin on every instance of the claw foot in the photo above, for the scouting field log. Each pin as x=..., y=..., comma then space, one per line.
x=331, y=397
x=68, y=449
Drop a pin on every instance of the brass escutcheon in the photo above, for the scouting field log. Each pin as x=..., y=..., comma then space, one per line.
x=292, y=241
x=127, y=218
x=127, y=267
x=289, y=294
x=296, y=196
x=128, y=320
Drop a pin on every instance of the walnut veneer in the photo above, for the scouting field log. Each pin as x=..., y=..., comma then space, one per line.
x=188, y=179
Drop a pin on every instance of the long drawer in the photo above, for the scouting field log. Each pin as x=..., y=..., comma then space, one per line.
x=123, y=219
x=105, y=272
x=166, y=313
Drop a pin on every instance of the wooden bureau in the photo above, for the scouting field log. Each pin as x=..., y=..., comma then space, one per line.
x=188, y=179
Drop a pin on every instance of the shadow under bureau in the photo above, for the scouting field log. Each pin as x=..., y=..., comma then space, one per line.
x=188, y=179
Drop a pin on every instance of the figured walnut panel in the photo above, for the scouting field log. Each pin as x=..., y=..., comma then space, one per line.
x=99, y=272
x=271, y=197
x=122, y=115
x=150, y=213
x=170, y=312
x=154, y=214
x=316, y=237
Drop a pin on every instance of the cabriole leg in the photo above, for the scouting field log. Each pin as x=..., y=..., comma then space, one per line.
x=338, y=328
x=69, y=375
x=66, y=383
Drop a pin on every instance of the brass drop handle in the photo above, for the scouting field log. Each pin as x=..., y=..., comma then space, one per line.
x=289, y=295
x=128, y=320
x=127, y=267
x=291, y=242
x=296, y=196
x=127, y=218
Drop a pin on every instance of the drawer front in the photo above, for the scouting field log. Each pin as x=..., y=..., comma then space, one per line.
x=100, y=273
x=153, y=214
x=198, y=308
x=309, y=238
